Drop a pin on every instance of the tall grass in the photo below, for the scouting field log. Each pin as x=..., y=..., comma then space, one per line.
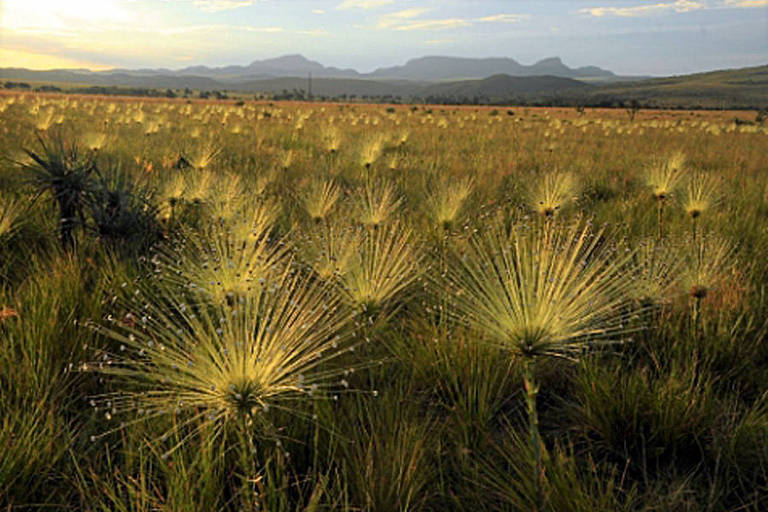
x=287, y=306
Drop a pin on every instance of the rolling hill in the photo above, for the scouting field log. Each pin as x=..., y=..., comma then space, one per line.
x=735, y=88
x=732, y=88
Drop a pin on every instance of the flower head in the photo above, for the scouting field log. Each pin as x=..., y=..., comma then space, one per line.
x=549, y=291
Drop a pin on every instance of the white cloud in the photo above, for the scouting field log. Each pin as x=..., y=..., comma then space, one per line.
x=400, y=17
x=679, y=6
x=219, y=28
x=268, y=30
x=51, y=14
x=363, y=4
x=503, y=18
x=438, y=41
x=433, y=24
x=314, y=32
x=408, y=19
x=745, y=4
x=318, y=11
x=222, y=5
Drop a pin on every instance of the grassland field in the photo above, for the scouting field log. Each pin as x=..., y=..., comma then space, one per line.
x=301, y=306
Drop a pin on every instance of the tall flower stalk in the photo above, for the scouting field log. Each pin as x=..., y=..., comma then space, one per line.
x=663, y=178
x=554, y=291
x=702, y=193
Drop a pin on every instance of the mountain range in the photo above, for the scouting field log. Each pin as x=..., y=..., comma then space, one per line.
x=435, y=79
x=421, y=69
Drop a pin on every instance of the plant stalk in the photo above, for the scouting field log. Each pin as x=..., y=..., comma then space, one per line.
x=531, y=390
x=661, y=218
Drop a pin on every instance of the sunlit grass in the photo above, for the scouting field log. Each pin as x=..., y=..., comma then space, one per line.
x=220, y=360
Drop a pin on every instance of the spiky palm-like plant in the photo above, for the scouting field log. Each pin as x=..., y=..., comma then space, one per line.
x=702, y=193
x=95, y=141
x=658, y=265
x=554, y=291
x=199, y=185
x=227, y=196
x=319, y=198
x=122, y=212
x=552, y=192
x=212, y=366
x=204, y=156
x=252, y=220
x=386, y=264
x=171, y=193
x=663, y=178
x=377, y=202
x=446, y=200
x=286, y=159
x=371, y=151
x=332, y=138
x=330, y=250
x=708, y=263
x=228, y=263
x=66, y=172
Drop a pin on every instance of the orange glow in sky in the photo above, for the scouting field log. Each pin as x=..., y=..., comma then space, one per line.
x=31, y=60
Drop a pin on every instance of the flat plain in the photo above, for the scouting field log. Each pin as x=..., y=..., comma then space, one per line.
x=319, y=306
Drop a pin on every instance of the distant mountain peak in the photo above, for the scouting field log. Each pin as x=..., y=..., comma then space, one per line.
x=550, y=60
x=292, y=63
x=294, y=58
x=434, y=67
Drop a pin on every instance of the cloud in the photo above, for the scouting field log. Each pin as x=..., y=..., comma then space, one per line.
x=314, y=32
x=318, y=11
x=438, y=41
x=408, y=19
x=222, y=5
x=433, y=24
x=503, y=18
x=400, y=17
x=218, y=29
x=363, y=4
x=745, y=4
x=679, y=6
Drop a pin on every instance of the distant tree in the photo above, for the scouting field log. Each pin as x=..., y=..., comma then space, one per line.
x=632, y=108
x=48, y=88
x=762, y=115
x=17, y=85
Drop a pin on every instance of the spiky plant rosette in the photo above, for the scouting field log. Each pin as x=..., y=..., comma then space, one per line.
x=387, y=263
x=226, y=261
x=709, y=262
x=701, y=194
x=210, y=366
x=658, y=266
x=545, y=290
x=319, y=198
x=552, y=192
x=377, y=202
x=329, y=250
x=663, y=176
x=446, y=199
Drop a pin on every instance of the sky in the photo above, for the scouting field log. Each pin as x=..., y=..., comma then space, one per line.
x=630, y=37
